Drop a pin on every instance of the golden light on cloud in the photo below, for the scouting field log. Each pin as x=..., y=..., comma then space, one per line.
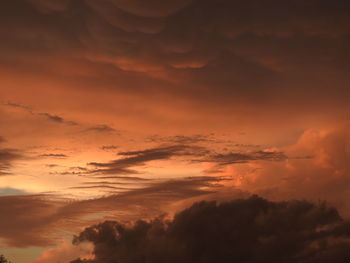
x=124, y=111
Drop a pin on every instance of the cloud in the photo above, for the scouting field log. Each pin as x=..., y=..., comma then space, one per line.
x=11, y=191
x=225, y=54
x=56, y=118
x=245, y=230
x=53, y=155
x=31, y=220
x=109, y=147
x=64, y=253
x=101, y=128
x=235, y=158
x=181, y=139
x=317, y=167
x=139, y=158
x=128, y=178
x=25, y=219
x=7, y=157
x=48, y=116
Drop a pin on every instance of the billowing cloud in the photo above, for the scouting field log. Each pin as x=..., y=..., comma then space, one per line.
x=317, y=168
x=245, y=230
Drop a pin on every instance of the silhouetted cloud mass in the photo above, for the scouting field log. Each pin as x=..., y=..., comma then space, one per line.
x=246, y=230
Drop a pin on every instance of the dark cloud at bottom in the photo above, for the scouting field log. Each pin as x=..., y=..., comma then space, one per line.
x=245, y=230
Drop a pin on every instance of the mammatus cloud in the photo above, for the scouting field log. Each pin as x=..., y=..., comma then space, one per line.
x=246, y=230
x=211, y=53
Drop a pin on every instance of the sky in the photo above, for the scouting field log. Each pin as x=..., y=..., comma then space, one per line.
x=122, y=110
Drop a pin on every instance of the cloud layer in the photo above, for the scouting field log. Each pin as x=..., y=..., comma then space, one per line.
x=209, y=52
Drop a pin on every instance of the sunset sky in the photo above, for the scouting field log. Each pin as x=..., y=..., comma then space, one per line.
x=130, y=109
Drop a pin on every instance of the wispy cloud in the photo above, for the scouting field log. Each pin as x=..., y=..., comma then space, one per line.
x=53, y=155
x=139, y=158
x=109, y=147
x=101, y=128
x=30, y=220
x=48, y=116
x=7, y=157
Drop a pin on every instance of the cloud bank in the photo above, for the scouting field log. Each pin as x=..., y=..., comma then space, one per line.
x=246, y=230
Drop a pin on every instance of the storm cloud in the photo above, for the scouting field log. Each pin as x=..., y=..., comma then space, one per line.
x=244, y=230
x=208, y=51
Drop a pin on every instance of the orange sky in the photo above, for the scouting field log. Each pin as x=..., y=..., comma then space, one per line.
x=119, y=109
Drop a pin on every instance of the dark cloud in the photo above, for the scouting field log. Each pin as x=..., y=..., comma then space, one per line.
x=17, y=105
x=139, y=158
x=2, y=139
x=166, y=151
x=100, y=186
x=222, y=52
x=232, y=158
x=101, y=128
x=181, y=139
x=53, y=155
x=246, y=230
x=109, y=147
x=52, y=165
x=48, y=116
x=56, y=118
x=7, y=157
x=128, y=178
